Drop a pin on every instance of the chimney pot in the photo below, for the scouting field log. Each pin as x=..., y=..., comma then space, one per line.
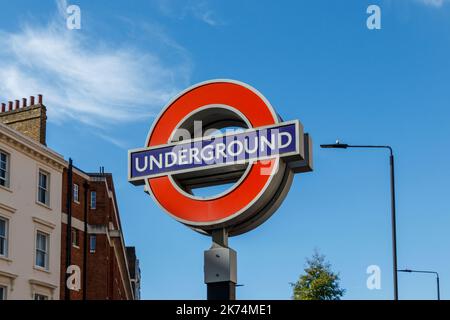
x=26, y=120
x=3, y=107
x=31, y=100
x=40, y=98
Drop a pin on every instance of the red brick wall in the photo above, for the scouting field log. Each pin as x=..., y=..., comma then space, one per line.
x=76, y=259
x=104, y=280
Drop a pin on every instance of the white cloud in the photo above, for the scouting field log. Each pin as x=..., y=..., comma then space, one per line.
x=83, y=79
x=206, y=16
x=62, y=6
x=115, y=141
x=434, y=3
x=198, y=9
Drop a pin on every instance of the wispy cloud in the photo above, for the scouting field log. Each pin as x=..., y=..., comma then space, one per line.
x=62, y=6
x=205, y=15
x=111, y=139
x=181, y=9
x=84, y=79
x=434, y=3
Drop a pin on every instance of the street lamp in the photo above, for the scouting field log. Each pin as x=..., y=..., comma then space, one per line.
x=425, y=271
x=339, y=145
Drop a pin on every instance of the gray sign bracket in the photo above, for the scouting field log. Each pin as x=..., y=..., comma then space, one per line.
x=220, y=268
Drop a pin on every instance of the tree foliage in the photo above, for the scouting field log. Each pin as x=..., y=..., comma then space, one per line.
x=318, y=282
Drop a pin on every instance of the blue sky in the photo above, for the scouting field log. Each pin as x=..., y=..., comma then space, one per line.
x=315, y=61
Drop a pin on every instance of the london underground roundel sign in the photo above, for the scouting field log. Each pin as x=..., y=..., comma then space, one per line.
x=220, y=132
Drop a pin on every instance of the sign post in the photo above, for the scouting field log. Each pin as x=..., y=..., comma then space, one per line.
x=189, y=146
x=220, y=268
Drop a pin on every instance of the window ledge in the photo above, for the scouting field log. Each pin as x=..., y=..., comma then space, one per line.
x=6, y=188
x=41, y=269
x=47, y=224
x=7, y=208
x=43, y=205
x=5, y=258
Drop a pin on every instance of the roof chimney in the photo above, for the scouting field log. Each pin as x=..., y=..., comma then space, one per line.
x=30, y=121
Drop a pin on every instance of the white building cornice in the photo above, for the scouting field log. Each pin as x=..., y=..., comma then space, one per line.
x=30, y=147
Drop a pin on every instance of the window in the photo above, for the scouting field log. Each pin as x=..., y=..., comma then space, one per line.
x=42, y=250
x=43, y=187
x=38, y=296
x=92, y=243
x=4, y=169
x=2, y=293
x=3, y=237
x=75, y=193
x=93, y=199
x=75, y=238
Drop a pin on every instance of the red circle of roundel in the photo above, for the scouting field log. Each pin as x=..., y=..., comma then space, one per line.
x=196, y=211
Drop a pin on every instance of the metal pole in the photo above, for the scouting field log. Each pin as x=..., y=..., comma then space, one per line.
x=394, y=226
x=69, y=228
x=86, y=237
x=220, y=268
x=438, y=289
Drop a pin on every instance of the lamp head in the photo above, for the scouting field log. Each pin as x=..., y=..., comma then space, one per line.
x=405, y=270
x=337, y=145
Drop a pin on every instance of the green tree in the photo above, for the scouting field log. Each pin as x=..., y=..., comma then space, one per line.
x=318, y=282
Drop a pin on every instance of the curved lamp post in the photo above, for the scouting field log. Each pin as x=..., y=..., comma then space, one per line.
x=339, y=145
x=426, y=271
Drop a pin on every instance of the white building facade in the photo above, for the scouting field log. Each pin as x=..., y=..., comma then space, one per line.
x=30, y=217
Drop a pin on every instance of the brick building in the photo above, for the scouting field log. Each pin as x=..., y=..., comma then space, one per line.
x=39, y=190
x=135, y=272
x=100, y=253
